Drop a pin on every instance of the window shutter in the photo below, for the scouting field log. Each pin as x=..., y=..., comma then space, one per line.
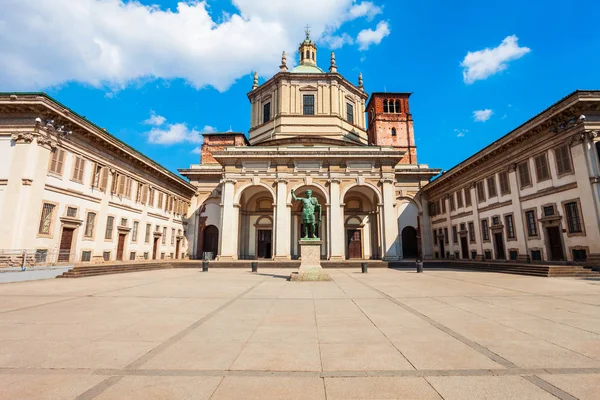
x=103, y=178
x=81, y=168
x=60, y=162
x=144, y=194
x=93, y=179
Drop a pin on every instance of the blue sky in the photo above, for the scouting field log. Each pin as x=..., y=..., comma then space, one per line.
x=189, y=65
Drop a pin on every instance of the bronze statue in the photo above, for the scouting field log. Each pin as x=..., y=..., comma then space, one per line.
x=310, y=205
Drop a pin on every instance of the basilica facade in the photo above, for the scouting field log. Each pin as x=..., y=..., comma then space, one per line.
x=315, y=130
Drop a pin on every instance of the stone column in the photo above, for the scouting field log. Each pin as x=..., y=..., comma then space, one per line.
x=283, y=221
x=335, y=227
x=520, y=229
x=229, y=222
x=390, y=221
x=476, y=222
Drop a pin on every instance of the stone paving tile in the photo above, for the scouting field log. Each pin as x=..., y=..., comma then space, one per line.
x=261, y=388
x=161, y=388
x=379, y=388
x=46, y=387
x=196, y=355
x=278, y=356
x=32, y=353
x=582, y=386
x=487, y=388
x=362, y=357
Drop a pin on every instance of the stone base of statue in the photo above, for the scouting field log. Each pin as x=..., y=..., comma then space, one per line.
x=310, y=262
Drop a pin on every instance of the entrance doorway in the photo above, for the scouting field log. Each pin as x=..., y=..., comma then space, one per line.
x=464, y=248
x=177, y=245
x=409, y=242
x=120, y=246
x=354, y=243
x=66, y=240
x=555, y=244
x=155, y=248
x=211, y=241
x=263, y=243
x=442, y=247
x=499, y=243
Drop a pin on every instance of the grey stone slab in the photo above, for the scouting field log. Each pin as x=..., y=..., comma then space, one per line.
x=488, y=388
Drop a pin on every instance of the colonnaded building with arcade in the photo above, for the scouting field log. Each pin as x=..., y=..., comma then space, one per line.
x=71, y=192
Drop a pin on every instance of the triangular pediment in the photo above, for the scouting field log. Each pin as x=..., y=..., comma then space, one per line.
x=308, y=88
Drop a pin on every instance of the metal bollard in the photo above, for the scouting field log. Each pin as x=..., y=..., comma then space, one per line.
x=419, y=266
x=204, y=266
x=363, y=267
x=254, y=266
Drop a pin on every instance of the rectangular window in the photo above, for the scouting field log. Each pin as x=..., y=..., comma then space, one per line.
x=162, y=256
x=90, y=222
x=266, y=112
x=151, y=197
x=106, y=256
x=164, y=235
x=110, y=221
x=510, y=226
x=485, y=232
x=467, y=197
x=573, y=218
x=443, y=206
x=463, y=227
x=563, y=160
x=134, y=231
x=452, y=203
x=132, y=256
x=524, y=178
x=86, y=256
x=454, y=234
x=504, y=184
x=446, y=236
x=473, y=255
x=491, y=184
x=308, y=102
x=350, y=113
x=459, y=199
x=536, y=255
x=173, y=236
x=542, y=171
x=146, y=255
x=160, y=200
x=41, y=255
x=435, y=238
x=123, y=221
x=71, y=212
x=57, y=162
x=78, y=166
x=480, y=192
x=513, y=255
x=128, y=186
x=488, y=254
x=579, y=255
x=46, y=219
x=148, y=231
x=531, y=223
x=471, y=232
x=495, y=221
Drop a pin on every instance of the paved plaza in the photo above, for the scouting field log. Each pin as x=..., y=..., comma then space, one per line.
x=231, y=334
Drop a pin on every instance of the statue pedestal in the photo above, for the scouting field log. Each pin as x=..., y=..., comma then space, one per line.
x=310, y=262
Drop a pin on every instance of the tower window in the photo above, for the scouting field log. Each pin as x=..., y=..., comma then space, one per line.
x=386, y=106
x=309, y=104
x=396, y=106
x=266, y=112
x=350, y=113
x=393, y=131
x=307, y=54
x=313, y=55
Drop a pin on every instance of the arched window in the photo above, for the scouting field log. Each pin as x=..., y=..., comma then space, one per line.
x=396, y=106
x=307, y=54
x=386, y=106
x=313, y=55
x=393, y=131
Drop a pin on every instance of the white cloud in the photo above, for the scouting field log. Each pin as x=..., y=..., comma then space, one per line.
x=482, y=115
x=177, y=133
x=461, y=132
x=112, y=43
x=336, y=41
x=197, y=150
x=156, y=120
x=367, y=37
x=365, y=9
x=481, y=64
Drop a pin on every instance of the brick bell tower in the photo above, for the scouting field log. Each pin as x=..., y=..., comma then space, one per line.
x=391, y=123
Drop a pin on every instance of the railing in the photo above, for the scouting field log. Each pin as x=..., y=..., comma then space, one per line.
x=28, y=258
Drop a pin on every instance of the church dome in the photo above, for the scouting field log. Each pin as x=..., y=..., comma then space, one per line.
x=307, y=69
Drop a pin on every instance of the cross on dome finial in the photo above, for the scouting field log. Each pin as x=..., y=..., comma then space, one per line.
x=307, y=31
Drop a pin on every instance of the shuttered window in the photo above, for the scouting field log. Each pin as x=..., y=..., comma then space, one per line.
x=542, y=172
x=504, y=184
x=467, y=197
x=90, y=222
x=78, y=167
x=573, y=218
x=134, y=231
x=491, y=184
x=110, y=221
x=563, y=160
x=57, y=162
x=524, y=178
x=480, y=192
x=128, y=185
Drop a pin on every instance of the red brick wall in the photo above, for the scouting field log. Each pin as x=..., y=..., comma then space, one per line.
x=381, y=124
x=218, y=143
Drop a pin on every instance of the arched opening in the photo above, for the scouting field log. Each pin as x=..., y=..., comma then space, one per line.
x=393, y=131
x=211, y=242
x=361, y=228
x=256, y=233
x=297, y=225
x=409, y=242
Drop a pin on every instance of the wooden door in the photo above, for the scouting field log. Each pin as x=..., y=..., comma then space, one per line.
x=263, y=247
x=500, y=253
x=177, y=248
x=120, y=246
x=66, y=240
x=555, y=244
x=464, y=247
x=154, y=248
x=354, y=243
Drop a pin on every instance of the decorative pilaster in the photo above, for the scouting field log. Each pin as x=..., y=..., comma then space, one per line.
x=336, y=221
x=229, y=222
x=389, y=219
x=283, y=221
